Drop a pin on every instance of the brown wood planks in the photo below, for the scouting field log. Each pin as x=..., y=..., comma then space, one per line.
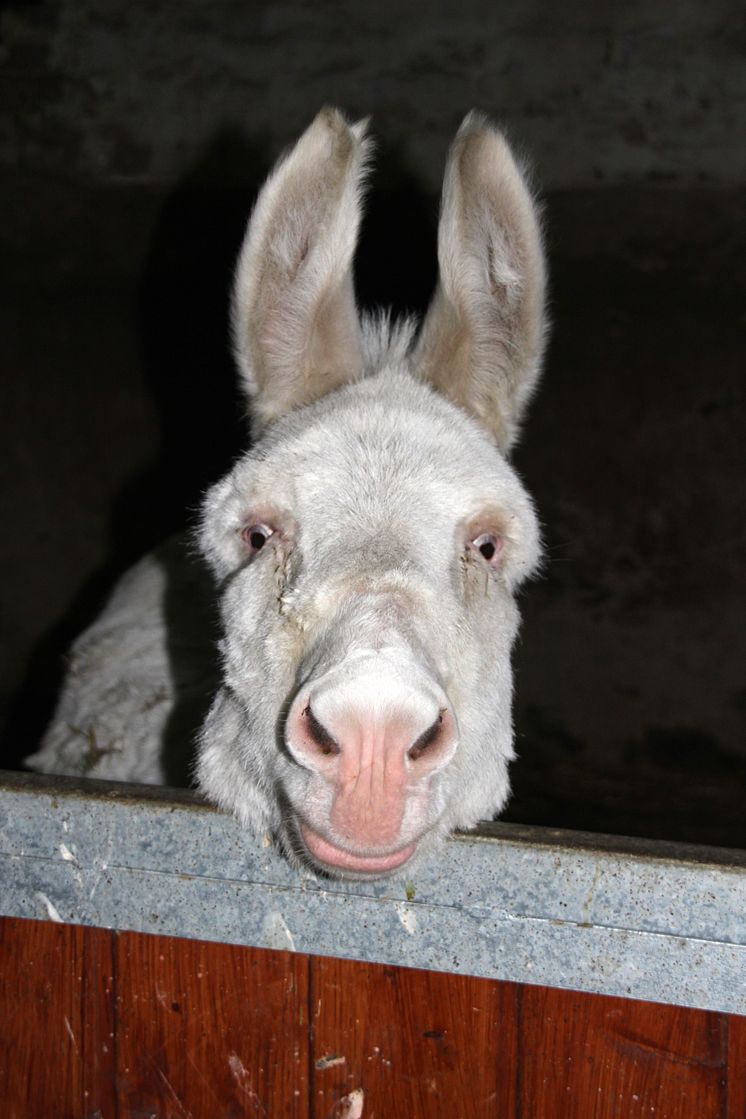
x=736, y=1067
x=608, y=1057
x=210, y=1030
x=57, y=1047
x=415, y=1042
x=96, y=1024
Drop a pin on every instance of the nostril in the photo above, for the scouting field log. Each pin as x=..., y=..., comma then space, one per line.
x=427, y=741
x=318, y=733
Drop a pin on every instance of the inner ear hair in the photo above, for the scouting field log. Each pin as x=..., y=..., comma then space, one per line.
x=483, y=338
x=295, y=324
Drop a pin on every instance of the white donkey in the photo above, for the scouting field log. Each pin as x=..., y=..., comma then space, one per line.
x=367, y=549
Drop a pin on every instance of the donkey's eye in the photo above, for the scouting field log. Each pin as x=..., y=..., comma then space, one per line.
x=488, y=545
x=256, y=536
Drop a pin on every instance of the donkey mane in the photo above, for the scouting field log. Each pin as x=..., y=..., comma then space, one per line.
x=386, y=341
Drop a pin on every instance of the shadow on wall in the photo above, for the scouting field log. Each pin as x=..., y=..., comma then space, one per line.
x=630, y=700
x=181, y=315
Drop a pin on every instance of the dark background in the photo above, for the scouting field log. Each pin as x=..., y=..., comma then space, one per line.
x=133, y=136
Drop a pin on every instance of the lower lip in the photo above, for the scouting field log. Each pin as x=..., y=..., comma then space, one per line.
x=326, y=853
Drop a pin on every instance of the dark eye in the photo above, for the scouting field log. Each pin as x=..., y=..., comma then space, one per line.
x=256, y=536
x=488, y=545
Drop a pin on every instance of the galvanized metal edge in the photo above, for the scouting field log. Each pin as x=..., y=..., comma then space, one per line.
x=634, y=918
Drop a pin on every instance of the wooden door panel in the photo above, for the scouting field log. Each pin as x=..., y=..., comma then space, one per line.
x=608, y=1057
x=414, y=1042
x=736, y=1067
x=100, y=1025
x=57, y=1034
x=210, y=1030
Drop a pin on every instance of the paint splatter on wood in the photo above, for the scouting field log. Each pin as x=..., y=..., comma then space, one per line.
x=351, y=1105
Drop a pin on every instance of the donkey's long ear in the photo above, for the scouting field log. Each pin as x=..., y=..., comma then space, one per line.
x=482, y=340
x=296, y=332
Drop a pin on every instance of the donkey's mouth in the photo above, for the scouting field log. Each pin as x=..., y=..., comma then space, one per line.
x=328, y=855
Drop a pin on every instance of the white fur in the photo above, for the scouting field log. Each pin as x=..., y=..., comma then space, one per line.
x=375, y=484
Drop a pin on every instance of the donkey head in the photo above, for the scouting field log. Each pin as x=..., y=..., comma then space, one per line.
x=370, y=544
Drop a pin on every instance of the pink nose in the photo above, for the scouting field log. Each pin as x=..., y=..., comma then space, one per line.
x=373, y=749
x=398, y=742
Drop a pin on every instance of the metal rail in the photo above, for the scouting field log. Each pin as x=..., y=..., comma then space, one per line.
x=646, y=920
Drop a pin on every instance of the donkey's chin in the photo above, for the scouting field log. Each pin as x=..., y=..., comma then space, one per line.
x=336, y=860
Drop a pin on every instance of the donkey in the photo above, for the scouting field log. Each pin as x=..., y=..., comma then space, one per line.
x=368, y=548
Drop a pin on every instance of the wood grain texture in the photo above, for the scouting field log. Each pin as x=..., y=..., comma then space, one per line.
x=97, y=1012
x=415, y=1042
x=56, y=1021
x=210, y=1030
x=736, y=1067
x=98, y=1025
x=591, y=1055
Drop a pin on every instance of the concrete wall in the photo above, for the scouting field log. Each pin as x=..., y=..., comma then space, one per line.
x=132, y=138
x=133, y=91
